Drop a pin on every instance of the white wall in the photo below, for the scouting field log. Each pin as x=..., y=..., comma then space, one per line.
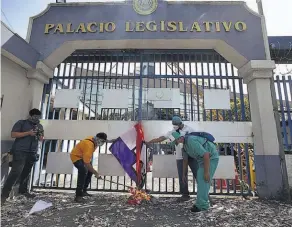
x=15, y=88
x=234, y=132
x=6, y=34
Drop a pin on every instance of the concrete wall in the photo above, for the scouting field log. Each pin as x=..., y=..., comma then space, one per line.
x=288, y=159
x=15, y=88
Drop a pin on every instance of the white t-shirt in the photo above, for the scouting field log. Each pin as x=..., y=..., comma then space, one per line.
x=178, y=149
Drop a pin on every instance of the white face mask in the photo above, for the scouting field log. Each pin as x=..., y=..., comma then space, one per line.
x=99, y=142
x=175, y=127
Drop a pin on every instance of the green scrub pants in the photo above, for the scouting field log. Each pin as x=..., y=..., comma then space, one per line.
x=202, y=201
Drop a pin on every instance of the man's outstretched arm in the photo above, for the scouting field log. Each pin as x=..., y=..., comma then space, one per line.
x=157, y=140
x=110, y=140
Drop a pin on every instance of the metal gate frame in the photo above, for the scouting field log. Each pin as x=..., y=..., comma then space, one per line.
x=196, y=69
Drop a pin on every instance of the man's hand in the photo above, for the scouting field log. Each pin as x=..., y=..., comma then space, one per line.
x=207, y=177
x=157, y=140
x=96, y=174
x=4, y=158
x=207, y=167
x=32, y=132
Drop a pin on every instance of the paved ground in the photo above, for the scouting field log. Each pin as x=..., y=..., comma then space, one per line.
x=112, y=210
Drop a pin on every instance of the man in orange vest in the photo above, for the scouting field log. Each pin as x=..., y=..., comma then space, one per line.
x=81, y=156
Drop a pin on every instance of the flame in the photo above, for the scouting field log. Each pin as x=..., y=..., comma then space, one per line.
x=137, y=196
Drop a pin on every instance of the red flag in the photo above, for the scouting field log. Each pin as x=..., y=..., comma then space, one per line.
x=139, y=141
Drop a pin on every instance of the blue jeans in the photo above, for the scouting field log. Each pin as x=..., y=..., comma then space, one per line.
x=193, y=164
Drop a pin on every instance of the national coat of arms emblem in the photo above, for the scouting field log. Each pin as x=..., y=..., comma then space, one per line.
x=145, y=7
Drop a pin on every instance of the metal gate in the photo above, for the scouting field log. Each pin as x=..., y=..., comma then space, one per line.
x=191, y=71
x=283, y=87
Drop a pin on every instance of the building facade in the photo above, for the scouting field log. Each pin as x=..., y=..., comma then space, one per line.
x=107, y=66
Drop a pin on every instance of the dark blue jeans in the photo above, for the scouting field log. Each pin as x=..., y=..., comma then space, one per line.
x=84, y=177
x=193, y=164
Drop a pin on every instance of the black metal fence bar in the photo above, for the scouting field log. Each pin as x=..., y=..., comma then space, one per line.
x=283, y=86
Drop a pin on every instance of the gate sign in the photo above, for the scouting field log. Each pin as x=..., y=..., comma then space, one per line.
x=231, y=22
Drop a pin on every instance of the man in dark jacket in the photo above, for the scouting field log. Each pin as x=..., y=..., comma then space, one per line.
x=27, y=134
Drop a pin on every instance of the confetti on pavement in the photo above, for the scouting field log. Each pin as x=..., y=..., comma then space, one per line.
x=111, y=209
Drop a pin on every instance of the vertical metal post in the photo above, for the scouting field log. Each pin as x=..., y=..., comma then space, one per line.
x=140, y=90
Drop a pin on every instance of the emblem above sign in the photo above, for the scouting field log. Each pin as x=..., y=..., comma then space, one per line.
x=145, y=7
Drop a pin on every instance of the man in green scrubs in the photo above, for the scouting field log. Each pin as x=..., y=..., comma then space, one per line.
x=208, y=157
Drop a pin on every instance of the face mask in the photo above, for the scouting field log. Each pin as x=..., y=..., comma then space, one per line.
x=35, y=119
x=99, y=142
x=175, y=127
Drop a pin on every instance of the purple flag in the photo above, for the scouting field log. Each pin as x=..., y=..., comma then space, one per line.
x=124, y=149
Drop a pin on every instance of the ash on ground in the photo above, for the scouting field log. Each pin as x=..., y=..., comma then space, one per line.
x=112, y=210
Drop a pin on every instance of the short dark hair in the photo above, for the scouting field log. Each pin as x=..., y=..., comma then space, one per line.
x=34, y=112
x=101, y=135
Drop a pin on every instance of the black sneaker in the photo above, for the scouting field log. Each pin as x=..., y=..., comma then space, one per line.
x=86, y=194
x=3, y=200
x=183, y=198
x=195, y=209
x=27, y=195
x=79, y=199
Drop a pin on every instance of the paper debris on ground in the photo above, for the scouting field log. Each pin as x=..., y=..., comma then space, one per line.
x=40, y=205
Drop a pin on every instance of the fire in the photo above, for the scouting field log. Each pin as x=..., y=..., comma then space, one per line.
x=137, y=196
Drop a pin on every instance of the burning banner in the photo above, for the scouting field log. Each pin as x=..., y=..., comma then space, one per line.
x=130, y=151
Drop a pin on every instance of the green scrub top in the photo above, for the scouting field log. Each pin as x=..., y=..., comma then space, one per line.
x=196, y=147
